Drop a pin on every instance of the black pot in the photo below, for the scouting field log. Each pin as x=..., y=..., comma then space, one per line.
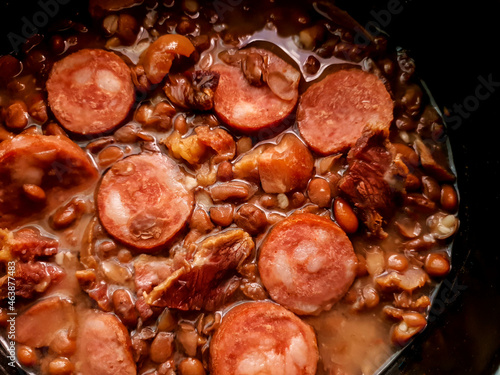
x=454, y=48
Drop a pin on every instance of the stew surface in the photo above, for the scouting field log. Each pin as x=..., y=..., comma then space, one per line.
x=227, y=187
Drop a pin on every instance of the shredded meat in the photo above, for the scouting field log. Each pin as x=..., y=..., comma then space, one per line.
x=204, y=282
x=27, y=244
x=374, y=180
x=31, y=279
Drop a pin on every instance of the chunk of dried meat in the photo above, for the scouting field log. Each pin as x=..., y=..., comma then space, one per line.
x=204, y=281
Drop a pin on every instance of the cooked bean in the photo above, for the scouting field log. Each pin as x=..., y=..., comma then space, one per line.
x=319, y=192
x=26, y=356
x=397, y=262
x=187, y=337
x=127, y=29
x=124, y=307
x=62, y=343
x=190, y=6
x=431, y=188
x=412, y=100
x=345, y=216
x=126, y=134
x=162, y=347
x=200, y=221
x=61, y=366
x=225, y=171
x=411, y=324
x=449, y=198
x=34, y=193
x=54, y=129
x=191, y=366
x=16, y=115
x=99, y=144
x=253, y=68
x=442, y=225
x=250, y=218
x=166, y=368
x=297, y=199
x=222, y=215
x=312, y=36
x=268, y=200
x=9, y=68
x=38, y=109
x=311, y=65
x=166, y=321
x=361, y=267
x=370, y=296
x=233, y=190
x=124, y=256
x=110, y=155
x=66, y=215
x=244, y=144
x=408, y=227
x=185, y=26
x=181, y=125
x=436, y=265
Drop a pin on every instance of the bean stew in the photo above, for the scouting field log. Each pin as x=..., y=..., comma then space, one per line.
x=216, y=187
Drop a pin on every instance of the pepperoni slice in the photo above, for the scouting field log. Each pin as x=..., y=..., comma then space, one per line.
x=103, y=346
x=249, y=108
x=333, y=113
x=263, y=338
x=90, y=91
x=54, y=166
x=307, y=263
x=142, y=201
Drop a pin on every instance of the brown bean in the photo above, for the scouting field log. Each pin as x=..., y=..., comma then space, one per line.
x=61, y=366
x=397, y=262
x=126, y=134
x=166, y=321
x=411, y=324
x=431, y=188
x=181, y=125
x=26, y=356
x=124, y=307
x=370, y=296
x=222, y=215
x=297, y=199
x=361, y=267
x=449, y=198
x=345, y=216
x=54, y=129
x=319, y=192
x=250, y=218
x=99, y=144
x=225, y=171
x=191, y=366
x=110, y=155
x=127, y=29
x=16, y=115
x=34, y=193
x=233, y=190
x=62, y=343
x=66, y=215
x=38, y=109
x=162, y=347
x=9, y=68
x=436, y=265
x=200, y=221
x=244, y=144
x=311, y=65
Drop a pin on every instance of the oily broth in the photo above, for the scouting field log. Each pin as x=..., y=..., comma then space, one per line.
x=356, y=342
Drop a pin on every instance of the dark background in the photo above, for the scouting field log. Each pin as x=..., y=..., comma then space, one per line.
x=454, y=45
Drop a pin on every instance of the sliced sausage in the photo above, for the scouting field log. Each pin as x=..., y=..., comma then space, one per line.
x=143, y=202
x=41, y=323
x=263, y=338
x=53, y=163
x=103, y=346
x=333, y=113
x=285, y=166
x=307, y=263
x=248, y=107
x=90, y=91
